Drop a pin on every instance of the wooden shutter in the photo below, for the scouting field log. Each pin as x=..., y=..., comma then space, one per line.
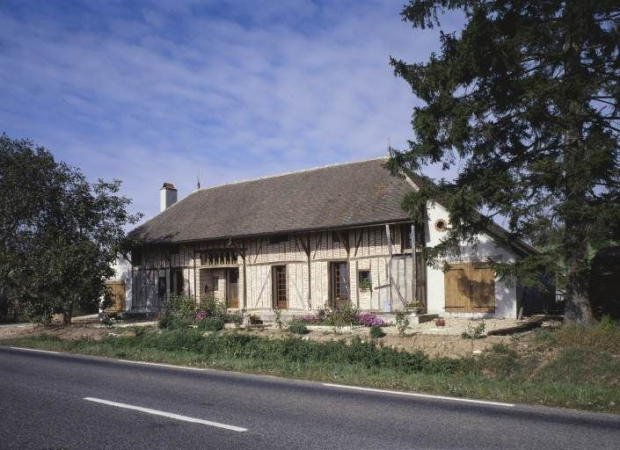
x=470, y=287
x=455, y=280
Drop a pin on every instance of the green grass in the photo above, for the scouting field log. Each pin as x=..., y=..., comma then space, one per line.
x=581, y=372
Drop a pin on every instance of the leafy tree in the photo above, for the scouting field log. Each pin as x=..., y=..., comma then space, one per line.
x=523, y=104
x=59, y=234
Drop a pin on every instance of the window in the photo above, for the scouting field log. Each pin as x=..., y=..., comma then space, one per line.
x=405, y=233
x=216, y=283
x=278, y=239
x=218, y=258
x=364, y=280
x=279, y=287
x=441, y=225
x=339, y=283
x=178, y=278
x=136, y=256
x=161, y=288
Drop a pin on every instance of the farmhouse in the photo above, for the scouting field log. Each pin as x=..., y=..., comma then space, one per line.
x=332, y=236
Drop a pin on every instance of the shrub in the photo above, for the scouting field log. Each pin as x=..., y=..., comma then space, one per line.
x=402, y=321
x=297, y=327
x=235, y=318
x=278, y=318
x=607, y=324
x=182, y=306
x=341, y=317
x=211, y=306
x=472, y=332
x=211, y=324
x=164, y=320
x=376, y=332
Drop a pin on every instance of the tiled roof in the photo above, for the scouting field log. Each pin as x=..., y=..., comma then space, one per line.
x=353, y=194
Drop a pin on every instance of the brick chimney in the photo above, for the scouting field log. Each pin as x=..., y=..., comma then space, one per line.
x=167, y=196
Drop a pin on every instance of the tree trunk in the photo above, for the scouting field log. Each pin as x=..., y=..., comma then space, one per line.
x=575, y=242
x=577, y=307
x=67, y=313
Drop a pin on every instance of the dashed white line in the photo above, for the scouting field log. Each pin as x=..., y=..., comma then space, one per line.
x=157, y=412
x=35, y=350
x=414, y=394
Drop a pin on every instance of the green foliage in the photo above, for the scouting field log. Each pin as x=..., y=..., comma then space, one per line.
x=474, y=332
x=235, y=318
x=211, y=324
x=365, y=284
x=523, y=103
x=402, y=321
x=341, y=317
x=59, y=234
x=606, y=338
x=575, y=376
x=278, y=318
x=211, y=306
x=376, y=333
x=297, y=327
x=607, y=324
x=182, y=306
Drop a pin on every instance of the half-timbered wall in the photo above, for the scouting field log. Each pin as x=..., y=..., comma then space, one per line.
x=305, y=256
x=307, y=259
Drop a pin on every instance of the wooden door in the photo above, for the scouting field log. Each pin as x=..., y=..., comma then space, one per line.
x=339, y=285
x=117, y=295
x=470, y=287
x=232, y=289
x=279, y=290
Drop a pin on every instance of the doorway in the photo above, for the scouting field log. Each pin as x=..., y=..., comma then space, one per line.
x=340, y=296
x=232, y=288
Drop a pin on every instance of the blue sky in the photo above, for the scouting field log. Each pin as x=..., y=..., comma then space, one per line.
x=154, y=91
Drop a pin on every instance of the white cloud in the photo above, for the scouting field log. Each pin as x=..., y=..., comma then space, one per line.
x=232, y=91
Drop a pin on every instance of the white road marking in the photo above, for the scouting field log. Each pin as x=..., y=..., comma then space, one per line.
x=161, y=365
x=156, y=412
x=413, y=394
x=35, y=350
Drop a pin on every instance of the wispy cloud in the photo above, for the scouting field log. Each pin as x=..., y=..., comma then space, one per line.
x=159, y=91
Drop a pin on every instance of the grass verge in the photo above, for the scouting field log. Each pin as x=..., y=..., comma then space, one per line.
x=575, y=373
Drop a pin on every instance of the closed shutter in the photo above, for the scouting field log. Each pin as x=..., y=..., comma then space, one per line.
x=470, y=287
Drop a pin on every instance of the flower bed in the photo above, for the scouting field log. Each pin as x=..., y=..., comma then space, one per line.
x=349, y=317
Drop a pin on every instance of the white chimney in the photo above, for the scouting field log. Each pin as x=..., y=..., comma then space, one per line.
x=167, y=196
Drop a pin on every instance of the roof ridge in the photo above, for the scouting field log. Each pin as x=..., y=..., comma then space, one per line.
x=295, y=172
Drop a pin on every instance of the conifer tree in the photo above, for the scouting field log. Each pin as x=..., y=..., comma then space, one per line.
x=522, y=108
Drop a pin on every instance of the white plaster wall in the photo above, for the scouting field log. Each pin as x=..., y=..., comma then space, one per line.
x=482, y=250
x=122, y=272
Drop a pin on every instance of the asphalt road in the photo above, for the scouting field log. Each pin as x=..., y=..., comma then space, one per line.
x=56, y=401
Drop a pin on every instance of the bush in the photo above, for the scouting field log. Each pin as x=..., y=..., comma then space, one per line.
x=211, y=324
x=607, y=324
x=182, y=306
x=164, y=320
x=402, y=322
x=341, y=317
x=297, y=327
x=376, y=332
x=210, y=306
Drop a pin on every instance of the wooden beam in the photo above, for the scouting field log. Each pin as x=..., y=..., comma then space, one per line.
x=359, y=241
x=344, y=242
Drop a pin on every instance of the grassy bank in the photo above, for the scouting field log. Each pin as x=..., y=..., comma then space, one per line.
x=572, y=367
